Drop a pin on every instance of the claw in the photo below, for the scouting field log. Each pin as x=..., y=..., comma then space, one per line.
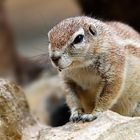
x=75, y=117
x=88, y=117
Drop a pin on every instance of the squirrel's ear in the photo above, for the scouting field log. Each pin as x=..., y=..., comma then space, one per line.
x=92, y=30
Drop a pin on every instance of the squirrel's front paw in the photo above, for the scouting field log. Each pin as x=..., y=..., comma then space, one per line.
x=75, y=117
x=88, y=117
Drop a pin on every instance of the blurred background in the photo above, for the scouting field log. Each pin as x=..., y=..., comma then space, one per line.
x=23, y=41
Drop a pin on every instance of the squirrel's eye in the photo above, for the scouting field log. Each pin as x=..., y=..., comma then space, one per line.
x=78, y=39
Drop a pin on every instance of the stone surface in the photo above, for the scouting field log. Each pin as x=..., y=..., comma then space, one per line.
x=17, y=123
x=14, y=111
x=109, y=126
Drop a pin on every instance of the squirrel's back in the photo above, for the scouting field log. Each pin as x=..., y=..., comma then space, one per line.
x=124, y=30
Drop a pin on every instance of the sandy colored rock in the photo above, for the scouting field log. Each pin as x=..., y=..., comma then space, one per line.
x=16, y=122
x=14, y=111
x=109, y=126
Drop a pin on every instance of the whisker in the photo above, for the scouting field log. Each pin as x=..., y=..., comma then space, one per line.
x=42, y=59
x=40, y=49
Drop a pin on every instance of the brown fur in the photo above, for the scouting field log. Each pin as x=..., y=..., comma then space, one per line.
x=103, y=73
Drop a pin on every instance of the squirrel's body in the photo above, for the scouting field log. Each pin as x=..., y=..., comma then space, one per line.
x=100, y=64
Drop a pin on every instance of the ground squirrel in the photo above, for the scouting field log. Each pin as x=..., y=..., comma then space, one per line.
x=99, y=63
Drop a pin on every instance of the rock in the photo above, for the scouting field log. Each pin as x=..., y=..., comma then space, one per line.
x=109, y=126
x=17, y=123
x=14, y=112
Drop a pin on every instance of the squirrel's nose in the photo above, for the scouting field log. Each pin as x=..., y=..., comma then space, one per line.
x=55, y=59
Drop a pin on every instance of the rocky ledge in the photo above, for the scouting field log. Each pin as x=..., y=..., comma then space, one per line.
x=16, y=122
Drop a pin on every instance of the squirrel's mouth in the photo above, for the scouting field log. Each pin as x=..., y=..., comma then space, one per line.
x=75, y=65
x=63, y=68
x=64, y=64
x=71, y=65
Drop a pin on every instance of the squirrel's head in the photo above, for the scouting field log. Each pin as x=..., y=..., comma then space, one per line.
x=75, y=42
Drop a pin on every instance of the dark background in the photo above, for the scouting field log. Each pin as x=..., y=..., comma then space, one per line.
x=127, y=11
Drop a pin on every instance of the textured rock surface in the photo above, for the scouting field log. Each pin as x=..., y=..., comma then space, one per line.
x=109, y=126
x=14, y=111
x=17, y=123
